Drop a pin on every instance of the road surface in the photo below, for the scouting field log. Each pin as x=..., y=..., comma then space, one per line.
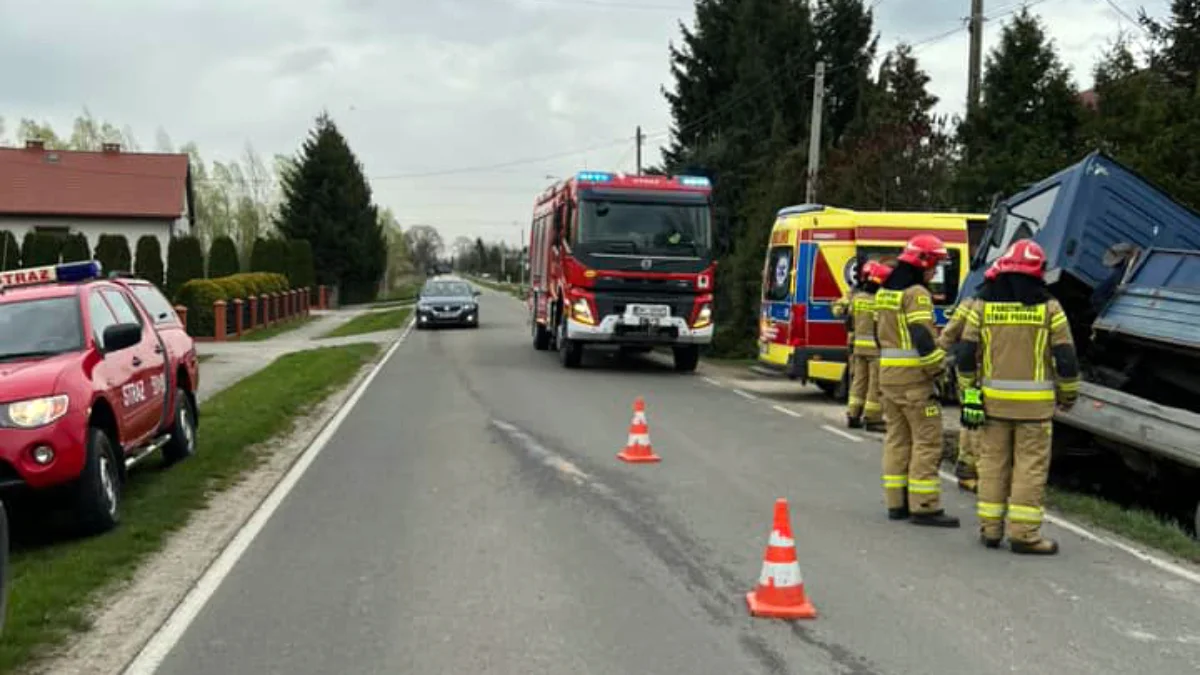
x=470, y=517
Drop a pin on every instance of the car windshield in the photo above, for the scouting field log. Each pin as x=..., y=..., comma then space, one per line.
x=645, y=227
x=446, y=289
x=40, y=328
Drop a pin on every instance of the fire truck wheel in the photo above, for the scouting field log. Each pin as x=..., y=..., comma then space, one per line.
x=570, y=351
x=541, y=337
x=98, y=493
x=687, y=358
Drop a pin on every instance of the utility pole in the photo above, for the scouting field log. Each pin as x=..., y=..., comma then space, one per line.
x=976, y=56
x=639, y=138
x=814, y=133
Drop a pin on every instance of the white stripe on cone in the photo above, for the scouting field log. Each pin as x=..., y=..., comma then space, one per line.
x=784, y=574
x=639, y=439
x=778, y=540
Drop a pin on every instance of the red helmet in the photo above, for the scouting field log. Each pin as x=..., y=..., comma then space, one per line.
x=1023, y=257
x=991, y=272
x=924, y=251
x=876, y=272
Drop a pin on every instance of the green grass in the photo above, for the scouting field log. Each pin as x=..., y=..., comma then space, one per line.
x=516, y=290
x=393, y=303
x=1138, y=525
x=53, y=586
x=260, y=334
x=371, y=322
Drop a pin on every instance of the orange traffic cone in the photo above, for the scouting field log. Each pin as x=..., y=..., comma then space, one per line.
x=780, y=591
x=638, y=449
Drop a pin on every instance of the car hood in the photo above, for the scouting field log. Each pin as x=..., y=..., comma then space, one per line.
x=446, y=299
x=29, y=378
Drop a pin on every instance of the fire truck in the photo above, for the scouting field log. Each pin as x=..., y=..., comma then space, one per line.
x=623, y=260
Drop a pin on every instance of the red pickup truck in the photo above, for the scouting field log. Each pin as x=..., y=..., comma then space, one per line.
x=95, y=375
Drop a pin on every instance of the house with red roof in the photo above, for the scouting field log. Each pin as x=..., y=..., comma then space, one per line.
x=107, y=192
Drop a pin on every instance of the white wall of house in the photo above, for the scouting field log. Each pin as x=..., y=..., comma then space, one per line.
x=92, y=228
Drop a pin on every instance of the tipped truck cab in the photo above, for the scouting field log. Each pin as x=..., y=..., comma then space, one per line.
x=811, y=262
x=95, y=375
x=623, y=260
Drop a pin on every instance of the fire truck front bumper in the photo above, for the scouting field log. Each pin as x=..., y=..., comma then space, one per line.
x=621, y=330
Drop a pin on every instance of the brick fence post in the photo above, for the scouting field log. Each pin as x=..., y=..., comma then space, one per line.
x=238, y=321
x=182, y=312
x=279, y=307
x=253, y=311
x=219, y=320
x=291, y=302
x=322, y=297
x=266, y=309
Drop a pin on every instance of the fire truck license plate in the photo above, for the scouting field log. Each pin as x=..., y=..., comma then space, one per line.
x=648, y=311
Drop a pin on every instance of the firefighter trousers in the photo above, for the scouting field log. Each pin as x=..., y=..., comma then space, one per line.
x=968, y=453
x=912, y=448
x=1014, y=462
x=864, y=389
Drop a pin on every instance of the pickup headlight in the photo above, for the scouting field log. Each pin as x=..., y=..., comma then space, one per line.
x=37, y=412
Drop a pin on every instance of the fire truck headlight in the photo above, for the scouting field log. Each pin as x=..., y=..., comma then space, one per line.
x=582, y=312
x=703, y=317
x=37, y=412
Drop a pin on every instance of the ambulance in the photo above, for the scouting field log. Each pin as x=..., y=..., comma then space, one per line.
x=811, y=262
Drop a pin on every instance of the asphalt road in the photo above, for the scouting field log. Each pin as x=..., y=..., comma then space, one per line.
x=470, y=517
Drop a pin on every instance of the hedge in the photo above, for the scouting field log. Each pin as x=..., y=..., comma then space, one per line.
x=300, y=267
x=10, y=252
x=148, y=264
x=269, y=255
x=198, y=295
x=75, y=248
x=40, y=248
x=185, y=261
x=112, y=250
x=222, y=258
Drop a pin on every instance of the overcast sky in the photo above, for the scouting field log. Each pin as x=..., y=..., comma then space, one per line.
x=446, y=102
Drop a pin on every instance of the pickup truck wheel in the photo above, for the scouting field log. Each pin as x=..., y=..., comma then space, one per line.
x=687, y=358
x=3, y=566
x=183, y=433
x=98, y=493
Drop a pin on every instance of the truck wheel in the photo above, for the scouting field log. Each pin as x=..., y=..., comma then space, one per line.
x=541, y=336
x=687, y=358
x=569, y=351
x=98, y=492
x=183, y=433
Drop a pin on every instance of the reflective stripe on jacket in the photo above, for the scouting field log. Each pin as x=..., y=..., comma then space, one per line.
x=863, y=311
x=1016, y=367
x=904, y=328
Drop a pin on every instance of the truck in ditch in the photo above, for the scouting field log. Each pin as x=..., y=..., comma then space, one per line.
x=1124, y=260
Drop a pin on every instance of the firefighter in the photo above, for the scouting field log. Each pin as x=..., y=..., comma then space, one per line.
x=910, y=363
x=864, y=407
x=968, y=439
x=1017, y=363
x=841, y=310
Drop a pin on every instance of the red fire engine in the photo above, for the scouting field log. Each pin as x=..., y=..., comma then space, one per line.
x=623, y=260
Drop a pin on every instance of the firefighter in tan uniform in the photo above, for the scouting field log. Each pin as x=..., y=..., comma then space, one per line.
x=910, y=363
x=863, y=407
x=1019, y=361
x=965, y=465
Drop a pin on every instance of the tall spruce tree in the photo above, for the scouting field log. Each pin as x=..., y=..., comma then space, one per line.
x=1029, y=118
x=327, y=201
x=846, y=41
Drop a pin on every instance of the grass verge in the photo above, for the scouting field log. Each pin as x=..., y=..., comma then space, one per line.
x=52, y=587
x=516, y=290
x=371, y=322
x=1142, y=526
x=278, y=329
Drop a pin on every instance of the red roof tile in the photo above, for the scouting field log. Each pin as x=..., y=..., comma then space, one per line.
x=34, y=181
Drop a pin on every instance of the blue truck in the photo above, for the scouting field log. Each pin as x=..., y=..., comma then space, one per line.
x=1124, y=260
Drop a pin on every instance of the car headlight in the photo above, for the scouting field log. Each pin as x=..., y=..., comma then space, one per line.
x=37, y=412
x=703, y=317
x=581, y=311
x=470, y=306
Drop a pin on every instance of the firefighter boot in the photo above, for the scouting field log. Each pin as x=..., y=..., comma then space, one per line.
x=1042, y=546
x=968, y=479
x=991, y=536
x=853, y=422
x=876, y=426
x=937, y=518
x=899, y=512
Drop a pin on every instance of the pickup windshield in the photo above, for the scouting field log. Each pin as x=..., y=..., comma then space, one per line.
x=641, y=228
x=36, y=328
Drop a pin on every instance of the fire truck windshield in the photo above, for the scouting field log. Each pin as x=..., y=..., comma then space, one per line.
x=36, y=328
x=641, y=228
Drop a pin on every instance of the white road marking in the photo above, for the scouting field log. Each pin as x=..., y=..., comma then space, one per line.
x=843, y=434
x=787, y=411
x=745, y=394
x=715, y=383
x=168, y=635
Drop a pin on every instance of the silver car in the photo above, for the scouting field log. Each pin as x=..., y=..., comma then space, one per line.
x=447, y=302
